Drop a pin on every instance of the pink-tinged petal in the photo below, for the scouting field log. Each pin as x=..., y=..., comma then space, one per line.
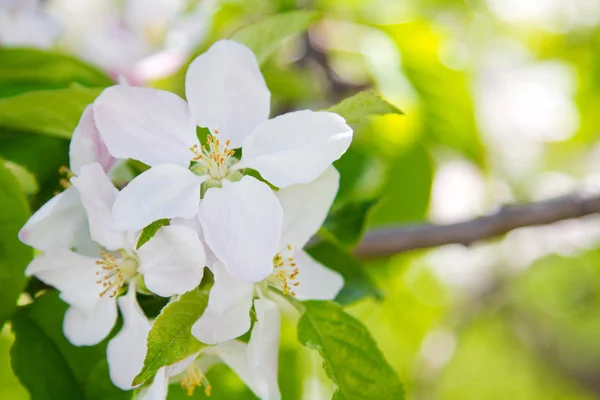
x=149, y=125
x=296, y=147
x=98, y=195
x=27, y=28
x=63, y=213
x=316, y=282
x=226, y=91
x=305, y=207
x=227, y=315
x=263, y=349
x=172, y=262
x=87, y=146
x=72, y=274
x=126, y=351
x=164, y=191
x=242, y=225
x=90, y=327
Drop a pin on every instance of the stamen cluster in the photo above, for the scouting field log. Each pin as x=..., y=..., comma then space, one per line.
x=214, y=158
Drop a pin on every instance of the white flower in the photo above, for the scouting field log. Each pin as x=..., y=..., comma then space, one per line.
x=227, y=94
x=23, y=24
x=64, y=213
x=294, y=272
x=171, y=263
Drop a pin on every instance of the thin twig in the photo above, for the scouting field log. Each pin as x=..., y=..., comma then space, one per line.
x=389, y=241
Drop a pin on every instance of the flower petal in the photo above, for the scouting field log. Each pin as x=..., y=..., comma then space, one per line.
x=63, y=213
x=164, y=191
x=227, y=315
x=317, y=282
x=296, y=147
x=158, y=389
x=149, y=125
x=126, y=351
x=305, y=207
x=251, y=215
x=72, y=274
x=90, y=327
x=226, y=91
x=87, y=146
x=235, y=355
x=98, y=195
x=263, y=349
x=195, y=225
x=172, y=262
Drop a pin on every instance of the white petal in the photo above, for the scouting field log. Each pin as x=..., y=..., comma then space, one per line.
x=317, y=282
x=296, y=147
x=98, y=195
x=63, y=213
x=305, y=207
x=227, y=315
x=263, y=349
x=126, y=351
x=194, y=224
x=72, y=274
x=180, y=366
x=250, y=214
x=164, y=191
x=227, y=92
x=172, y=262
x=90, y=327
x=87, y=146
x=235, y=355
x=157, y=390
x=149, y=125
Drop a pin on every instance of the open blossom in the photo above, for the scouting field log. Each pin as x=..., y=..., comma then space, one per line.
x=170, y=263
x=24, y=24
x=294, y=272
x=227, y=94
x=64, y=213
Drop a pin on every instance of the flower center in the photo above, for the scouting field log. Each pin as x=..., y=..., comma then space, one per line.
x=214, y=158
x=67, y=174
x=285, y=271
x=194, y=378
x=114, y=272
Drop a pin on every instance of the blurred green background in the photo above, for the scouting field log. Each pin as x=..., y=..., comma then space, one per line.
x=502, y=105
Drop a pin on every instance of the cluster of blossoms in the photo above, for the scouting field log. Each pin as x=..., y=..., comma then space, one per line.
x=248, y=231
x=135, y=39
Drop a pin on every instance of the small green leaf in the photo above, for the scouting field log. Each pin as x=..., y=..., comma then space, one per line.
x=361, y=105
x=351, y=357
x=47, y=112
x=357, y=284
x=346, y=223
x=48, y=365
x=27, y=69
x=264, y=36
x=170, y=339
x=14, y=255
x=149, y=231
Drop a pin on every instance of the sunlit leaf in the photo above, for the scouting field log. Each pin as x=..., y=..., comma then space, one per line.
x=170, y=339
x=361, y=105
x=346, y=223
x=14, y=255
x=351, y=357
x=264, y=36
x=149, y=231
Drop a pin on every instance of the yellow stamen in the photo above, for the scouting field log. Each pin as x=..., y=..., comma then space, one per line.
x=194, y=378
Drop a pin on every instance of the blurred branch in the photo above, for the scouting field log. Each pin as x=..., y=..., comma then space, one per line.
x=389, y=241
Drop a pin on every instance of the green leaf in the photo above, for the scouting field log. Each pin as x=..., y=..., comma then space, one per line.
x=351, y=357
x=48, y=365
x=264, y=36
x=357, y=284
x=27, y=69
x=47, y=112
x=149, y=231
x=14, y=255
x=346, y=223
x=361, y=105
x=170, y=339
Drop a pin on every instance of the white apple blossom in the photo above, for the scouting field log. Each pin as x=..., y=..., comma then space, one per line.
x=64, y=213
x=294, y=272
x=241, y=219
x=24, y=24
x=170, y=263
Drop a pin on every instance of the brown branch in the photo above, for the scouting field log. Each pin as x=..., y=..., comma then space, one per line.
x=389, y=241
